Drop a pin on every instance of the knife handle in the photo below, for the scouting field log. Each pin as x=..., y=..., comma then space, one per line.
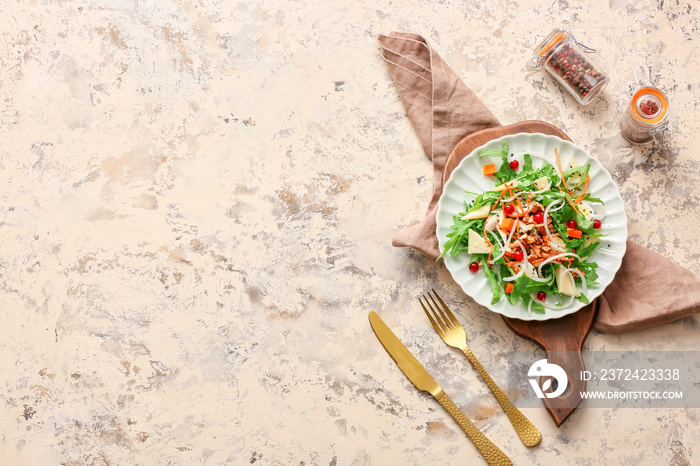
x=491, y=453
x=525, y=429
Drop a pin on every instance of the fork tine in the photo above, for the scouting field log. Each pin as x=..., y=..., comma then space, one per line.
x=438, y=314
x=430, y=317
x=451, y=316
x=443, y=317
x=437, y=326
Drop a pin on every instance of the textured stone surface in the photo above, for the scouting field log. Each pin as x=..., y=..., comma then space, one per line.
x=197, y=201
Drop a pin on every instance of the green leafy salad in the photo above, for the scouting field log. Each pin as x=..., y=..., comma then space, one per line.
x=532, y=234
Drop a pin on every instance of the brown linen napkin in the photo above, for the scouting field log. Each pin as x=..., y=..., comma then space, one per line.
x=443, y=110
x=648, y=289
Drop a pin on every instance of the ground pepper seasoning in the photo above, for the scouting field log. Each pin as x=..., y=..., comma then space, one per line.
x=646, y=116
x=565, y=59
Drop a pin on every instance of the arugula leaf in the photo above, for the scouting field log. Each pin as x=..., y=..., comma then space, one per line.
x=502, y=152
x=586, y=251
x=458, y=238
x=504, y=173
x=589, y=270
x=584, y=224
x=524, y=288
x=495, y=285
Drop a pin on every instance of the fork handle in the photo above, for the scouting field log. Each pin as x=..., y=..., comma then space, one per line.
x=491, y=453
x=525, y=429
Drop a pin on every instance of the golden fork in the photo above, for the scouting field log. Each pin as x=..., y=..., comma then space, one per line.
x=450, y=330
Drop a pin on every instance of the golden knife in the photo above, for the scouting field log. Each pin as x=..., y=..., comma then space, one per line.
x=417, y=374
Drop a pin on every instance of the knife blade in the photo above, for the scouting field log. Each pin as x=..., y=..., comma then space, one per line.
x=420, y=377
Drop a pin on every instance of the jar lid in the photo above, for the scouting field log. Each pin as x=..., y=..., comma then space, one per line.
x=649, y=106
x=546, y=45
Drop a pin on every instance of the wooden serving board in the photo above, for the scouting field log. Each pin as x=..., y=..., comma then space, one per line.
x=563, y=338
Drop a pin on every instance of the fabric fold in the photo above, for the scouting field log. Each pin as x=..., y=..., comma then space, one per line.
x=443, y=110
x=648, y=289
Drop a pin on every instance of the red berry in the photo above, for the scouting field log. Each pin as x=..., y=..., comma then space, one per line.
x=538, y=217
x=596, y=224
x=514, y=164
x=508, y=209
x=571, y=224
x=541, y=295
x=474, y=266
x=518, y=255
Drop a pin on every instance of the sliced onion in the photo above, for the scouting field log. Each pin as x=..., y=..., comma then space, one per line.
x=554, y=306
x=516, y=276
x=558, y=307
x=547, y=261
x=583, y=279
x=533, y=297
x=503, y=249
x=555, y=246
x=538, y=278
x=551, y=208
x=570, y=301
x=491, y=223
x=500, y=246
x=498, y=241
x=541, y=190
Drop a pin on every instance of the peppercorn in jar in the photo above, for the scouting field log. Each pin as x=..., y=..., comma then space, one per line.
x=564, y=58
x=646, y=116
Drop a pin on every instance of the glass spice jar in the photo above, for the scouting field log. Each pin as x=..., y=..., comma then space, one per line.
x=565, y=59
x=646, y=116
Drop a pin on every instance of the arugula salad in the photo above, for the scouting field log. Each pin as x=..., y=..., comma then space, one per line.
x=533, y=233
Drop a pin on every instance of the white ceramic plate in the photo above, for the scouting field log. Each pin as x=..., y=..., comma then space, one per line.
x=469, y=175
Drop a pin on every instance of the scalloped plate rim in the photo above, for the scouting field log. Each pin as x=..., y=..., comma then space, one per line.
x=483, y=294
